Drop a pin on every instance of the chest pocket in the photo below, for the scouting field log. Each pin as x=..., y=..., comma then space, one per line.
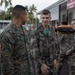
x=19, y=47
x=19, y=42
x=43, y=45
x=19, y=38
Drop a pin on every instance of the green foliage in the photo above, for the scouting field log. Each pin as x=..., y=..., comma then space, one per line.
x=8, y=14
x=2, y=15
x=9, y=10
x=7, y=3
x=31, y=11
x=8, y=17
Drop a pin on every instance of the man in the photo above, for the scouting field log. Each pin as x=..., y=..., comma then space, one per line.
x=66, y=48
x=14, y=51
x=44, y=46
x=71, y=52
x=73, y=23
x=61, y=48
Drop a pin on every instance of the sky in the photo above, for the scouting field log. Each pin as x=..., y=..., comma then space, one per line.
x=40, y=4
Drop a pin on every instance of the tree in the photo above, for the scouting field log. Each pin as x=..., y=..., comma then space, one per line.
x=31, y=17
x=7, y=3
x=31, y=11
x=6, y=15
x=27, y=8
x=9, y=10
x=33, y=8
x=2, y=15
x=9, y=13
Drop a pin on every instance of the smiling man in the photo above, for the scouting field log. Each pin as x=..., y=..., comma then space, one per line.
x=44, y=46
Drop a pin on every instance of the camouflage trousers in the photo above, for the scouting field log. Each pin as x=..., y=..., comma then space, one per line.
x=72, y=70
x=72, y=65
x=67, y=68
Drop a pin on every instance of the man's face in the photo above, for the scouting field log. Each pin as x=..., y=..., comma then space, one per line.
x=24, y=18
x=45, y=19
x=73, y=23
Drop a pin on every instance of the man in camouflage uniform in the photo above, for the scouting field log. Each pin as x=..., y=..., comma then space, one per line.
x=66, y=43
x=43, y=46
x=14, y=51
x=72, y=52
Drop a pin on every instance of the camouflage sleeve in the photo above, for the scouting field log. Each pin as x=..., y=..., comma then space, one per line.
x=35, y=47
x=54, y=43
x=59, y=38
x=6, y=55
x=0, y=57
x=72, y=50
x=54, y=52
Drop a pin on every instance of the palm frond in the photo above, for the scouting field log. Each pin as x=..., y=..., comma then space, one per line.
x=1, y=2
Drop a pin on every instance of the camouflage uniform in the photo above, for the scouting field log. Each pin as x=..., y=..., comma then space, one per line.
x=72, y=59
x=43, y=48
x=66, y=42
x=14, y=46
x=0, y=58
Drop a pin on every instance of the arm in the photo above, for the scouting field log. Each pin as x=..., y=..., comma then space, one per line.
x=6, y=55
x=70, y=51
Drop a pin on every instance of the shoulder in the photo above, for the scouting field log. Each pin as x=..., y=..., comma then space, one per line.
x=37, y=30
x=9, y=28
x=51, y=28
x=7, y=33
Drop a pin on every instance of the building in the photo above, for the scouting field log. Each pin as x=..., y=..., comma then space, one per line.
x=62, y=10
x=54, y=9
x=67, y=10
x=3, y=23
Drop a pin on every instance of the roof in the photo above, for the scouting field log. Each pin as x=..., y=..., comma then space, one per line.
x=53, y=5
x=5, y=21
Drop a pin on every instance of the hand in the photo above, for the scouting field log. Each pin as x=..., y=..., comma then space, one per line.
x=44, y=69
x=73, y=26
x=68, y=52
x=55, y=64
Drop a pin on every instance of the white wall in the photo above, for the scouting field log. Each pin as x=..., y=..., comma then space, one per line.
x=55, y=13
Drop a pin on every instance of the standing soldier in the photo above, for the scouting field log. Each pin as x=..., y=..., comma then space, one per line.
x=14, y=45
x=43, y=46
x=66, y=48
x=71, y=52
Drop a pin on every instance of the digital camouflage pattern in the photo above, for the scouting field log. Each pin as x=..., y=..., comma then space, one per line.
x=43, y=48
x=67, y=42
x=14, y=51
